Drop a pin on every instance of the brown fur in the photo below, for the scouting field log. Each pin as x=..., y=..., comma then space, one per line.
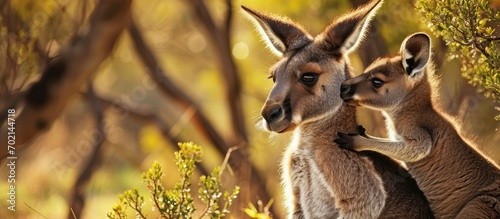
x=321, y=180
x=456, y=179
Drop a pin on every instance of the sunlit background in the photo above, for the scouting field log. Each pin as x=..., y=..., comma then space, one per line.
x=48, y=169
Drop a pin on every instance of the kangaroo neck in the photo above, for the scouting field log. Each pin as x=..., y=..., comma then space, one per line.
x=418, y=101
x=343, y=120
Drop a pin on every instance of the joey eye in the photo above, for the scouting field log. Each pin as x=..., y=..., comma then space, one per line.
x=309, y=79
x=377, y=83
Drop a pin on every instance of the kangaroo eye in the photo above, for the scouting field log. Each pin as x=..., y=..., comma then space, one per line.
x=377, y=83
x=309, y=79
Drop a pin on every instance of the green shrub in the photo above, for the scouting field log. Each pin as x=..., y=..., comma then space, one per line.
x=466, y=26
x=178, y=202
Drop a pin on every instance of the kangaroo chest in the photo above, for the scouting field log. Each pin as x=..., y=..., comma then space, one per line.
x=303, y=179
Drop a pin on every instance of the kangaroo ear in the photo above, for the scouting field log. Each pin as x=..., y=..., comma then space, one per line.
x=415, y=53
x=281, y=34
x=344, y=33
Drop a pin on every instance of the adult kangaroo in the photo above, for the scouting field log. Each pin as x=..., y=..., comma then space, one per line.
x=322, y=180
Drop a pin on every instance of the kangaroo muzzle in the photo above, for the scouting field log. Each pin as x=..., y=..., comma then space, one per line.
x=277, y=117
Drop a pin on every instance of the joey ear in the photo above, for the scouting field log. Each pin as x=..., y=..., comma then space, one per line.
x=281, y=34
x=416, y=53
x=345, y=33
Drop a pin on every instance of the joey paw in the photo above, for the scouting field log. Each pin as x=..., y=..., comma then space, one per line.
x=361, y=130
x=345, y=141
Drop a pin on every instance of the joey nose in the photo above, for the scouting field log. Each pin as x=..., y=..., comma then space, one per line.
x=272, y=114
x=344, y=88
x=346, y=91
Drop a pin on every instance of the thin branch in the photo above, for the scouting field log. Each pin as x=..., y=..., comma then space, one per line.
x=9, y=18
x=490, y=38
x=461, y=42
x=141, y=115
x=228, y=20
x=239, y=159
x=40, y=214
x=137, y=208
x=481, y=49
x=46, y=99
x=78, y=199
x=462, y=32
x=148, y=117
x=73, y=213
x=155, y=197
x=221, y=44
x=478, y=45
x=201, y=11
x=171, y=90
x=226, y=159
x=463, y=35
x=205, y=211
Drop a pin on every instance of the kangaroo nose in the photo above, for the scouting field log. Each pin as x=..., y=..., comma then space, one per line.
x=273, y=114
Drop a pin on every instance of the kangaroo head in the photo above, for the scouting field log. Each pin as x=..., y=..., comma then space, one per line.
x=387, y=81
x=308, y=75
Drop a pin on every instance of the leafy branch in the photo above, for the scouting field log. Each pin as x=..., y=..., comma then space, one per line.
x=467, y=28
x=178, y=202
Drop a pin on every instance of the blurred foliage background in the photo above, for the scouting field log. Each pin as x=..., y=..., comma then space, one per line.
x=47, y=170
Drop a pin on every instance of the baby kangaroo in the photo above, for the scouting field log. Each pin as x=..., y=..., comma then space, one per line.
x=321, y=180
x=456, y=179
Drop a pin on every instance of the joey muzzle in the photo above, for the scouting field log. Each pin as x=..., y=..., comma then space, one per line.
x=347, y=91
